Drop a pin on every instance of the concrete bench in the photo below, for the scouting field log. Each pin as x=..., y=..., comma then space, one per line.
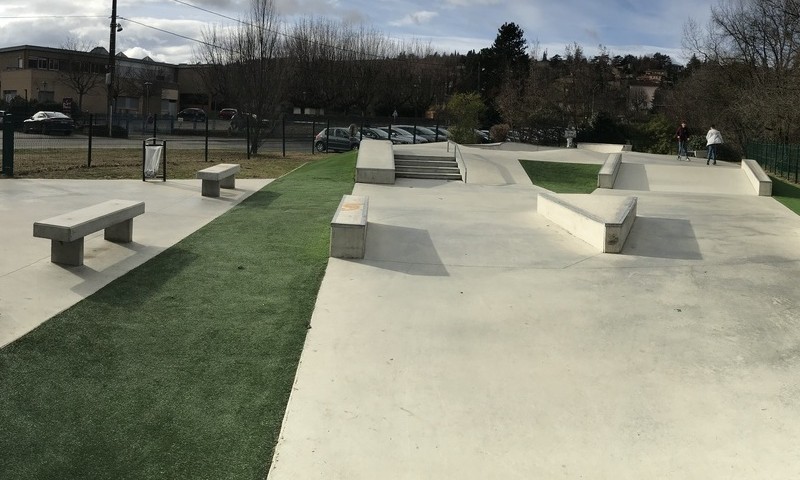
x=603, y=221
x=218, y=176
x=375, y=162
x=760, y=181
x=609, y=171
x=349, y=227
x=66, y=231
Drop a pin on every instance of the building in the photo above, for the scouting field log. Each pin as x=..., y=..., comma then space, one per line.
x=78, y=81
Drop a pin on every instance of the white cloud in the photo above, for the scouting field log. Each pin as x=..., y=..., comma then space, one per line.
x=416, y=18
x=471, y=3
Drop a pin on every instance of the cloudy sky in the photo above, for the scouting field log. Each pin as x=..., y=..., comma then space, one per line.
x=163, y=29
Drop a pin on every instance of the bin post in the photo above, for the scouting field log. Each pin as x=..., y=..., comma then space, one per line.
x=8, y=146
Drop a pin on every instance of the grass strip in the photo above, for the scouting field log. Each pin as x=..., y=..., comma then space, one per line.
x=182, y=368
x=562, y=177
x=786, y=193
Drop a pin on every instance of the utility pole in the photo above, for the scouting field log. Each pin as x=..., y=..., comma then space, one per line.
x=111, y=57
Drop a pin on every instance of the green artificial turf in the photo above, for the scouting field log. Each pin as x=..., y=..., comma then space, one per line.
x=182, y=368
x=786, y=193
x=562, y=177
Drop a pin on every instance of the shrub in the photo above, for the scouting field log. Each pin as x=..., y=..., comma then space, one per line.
x=499, y=132
x=465, y=111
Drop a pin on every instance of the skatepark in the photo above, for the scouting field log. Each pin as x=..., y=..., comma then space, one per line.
x=478, y=339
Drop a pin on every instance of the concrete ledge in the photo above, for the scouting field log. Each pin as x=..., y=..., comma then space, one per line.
x=601, y=221
x=375, y=162
x=758, y=178
x=349, y=227
x=609, y=171
x=603, y=147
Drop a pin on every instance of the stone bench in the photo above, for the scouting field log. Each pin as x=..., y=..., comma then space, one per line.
x=66, y=231
x=349, y=227
x=375, y=162
x=609, y=171
x=603, y=221
x=760, y=181
x=218, y=176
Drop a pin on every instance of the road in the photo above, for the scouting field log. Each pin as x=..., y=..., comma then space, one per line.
x=180, y=142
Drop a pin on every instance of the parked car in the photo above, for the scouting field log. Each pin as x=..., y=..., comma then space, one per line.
x=192, y=115
x=483, y=136
x=422, y=132
x=227, y=113
x=403, y=136
x=338, y=139
x=378, y=134
x=444, y=133
x=48, y=122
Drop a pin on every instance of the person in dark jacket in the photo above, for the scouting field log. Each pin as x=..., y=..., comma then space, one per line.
x=682, y=134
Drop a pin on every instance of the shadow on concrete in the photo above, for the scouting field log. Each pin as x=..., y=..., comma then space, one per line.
x=632, y=176
x=403, y=249
x=663, y=238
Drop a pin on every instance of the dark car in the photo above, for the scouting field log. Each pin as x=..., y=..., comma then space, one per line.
x=48, y=122
x=336, y=139
x=227, y=113
x=378, y=134
x=421, y=132
x=192, y=115
x=240, y=121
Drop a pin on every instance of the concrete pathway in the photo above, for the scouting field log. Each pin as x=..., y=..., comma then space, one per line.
x=477, y=340
x=32, y=289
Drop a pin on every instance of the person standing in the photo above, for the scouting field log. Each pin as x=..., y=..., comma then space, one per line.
x=682, y=134
x=713, y=138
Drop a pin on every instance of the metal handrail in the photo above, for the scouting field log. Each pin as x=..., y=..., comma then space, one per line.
x=462, y=165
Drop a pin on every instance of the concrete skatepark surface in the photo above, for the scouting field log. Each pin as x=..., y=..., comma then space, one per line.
x=477, y=340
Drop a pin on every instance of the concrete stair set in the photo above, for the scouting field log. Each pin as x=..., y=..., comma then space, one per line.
x=428, y=167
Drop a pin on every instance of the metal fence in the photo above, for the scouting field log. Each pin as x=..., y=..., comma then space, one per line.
x=93, y=140
x=780, y=159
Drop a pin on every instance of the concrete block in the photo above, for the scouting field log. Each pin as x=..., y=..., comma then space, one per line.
x=349, y=227
x=609, y=171
x=375, y=162
x=760, y=181
x=601, y=221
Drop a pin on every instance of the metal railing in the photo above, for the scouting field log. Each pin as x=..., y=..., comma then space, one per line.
x=780, y=159
x=462, y=165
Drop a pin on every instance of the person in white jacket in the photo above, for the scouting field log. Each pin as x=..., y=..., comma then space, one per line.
x=713, y=138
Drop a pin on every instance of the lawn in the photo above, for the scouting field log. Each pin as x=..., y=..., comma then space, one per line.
x=786, y=193
x=126, y=163
x=183, y=367
x=562, y=177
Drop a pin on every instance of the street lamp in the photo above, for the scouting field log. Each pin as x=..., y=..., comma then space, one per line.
x=147, y=98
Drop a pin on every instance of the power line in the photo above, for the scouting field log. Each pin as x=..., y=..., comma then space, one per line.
x=53, y=16
x=169, y=33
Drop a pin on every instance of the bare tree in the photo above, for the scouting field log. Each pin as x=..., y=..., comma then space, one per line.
x=247, y=62
x=754, y=45
x=81, y=72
